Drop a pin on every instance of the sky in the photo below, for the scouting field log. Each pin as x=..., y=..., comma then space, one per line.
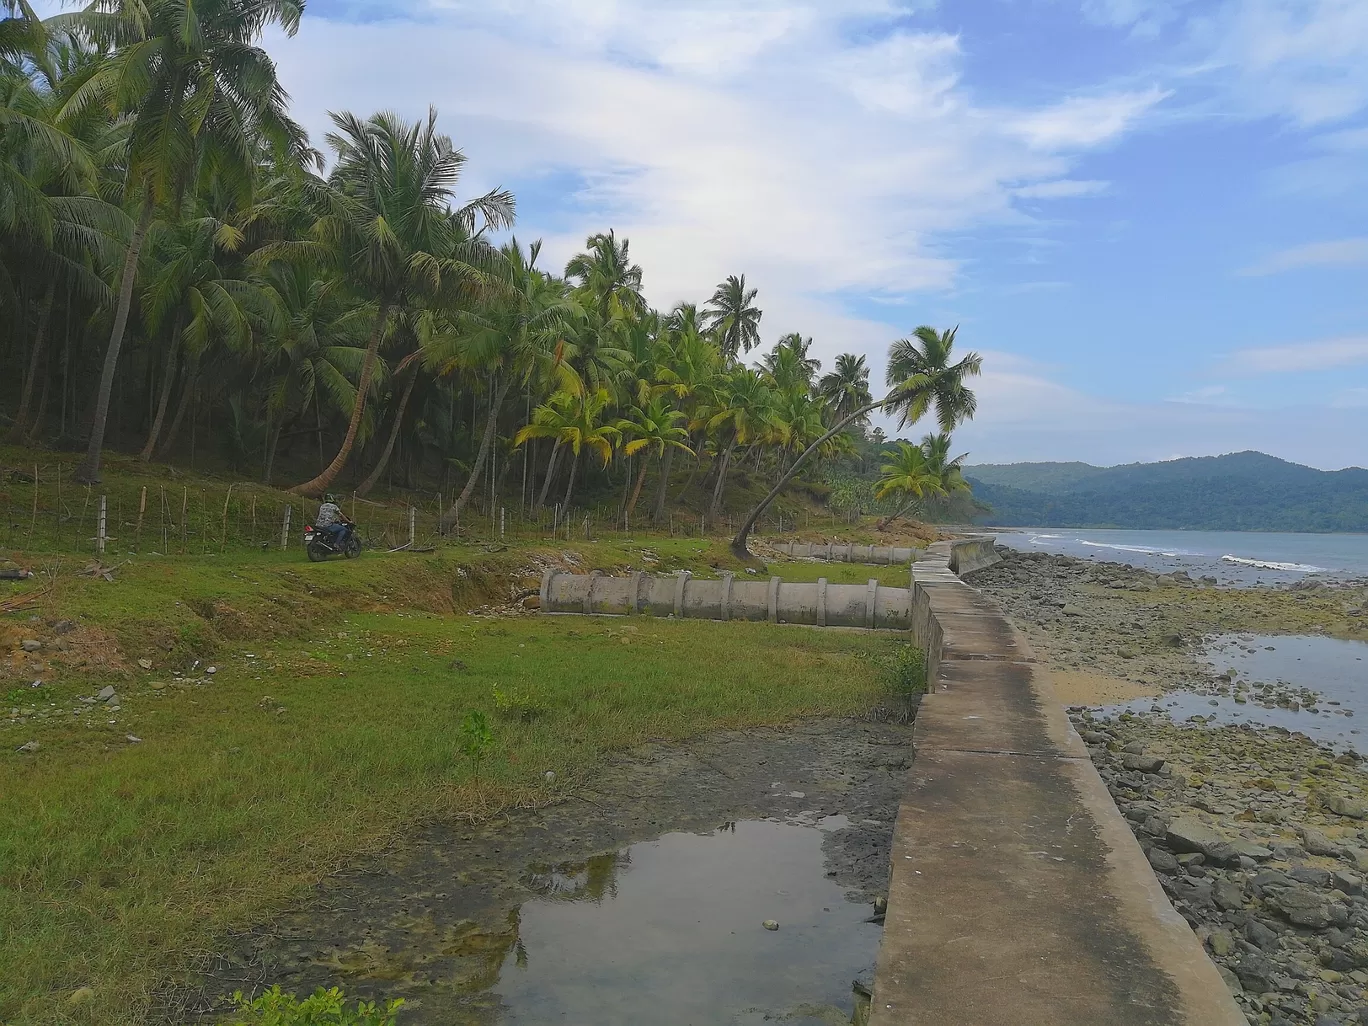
x=1148, y=216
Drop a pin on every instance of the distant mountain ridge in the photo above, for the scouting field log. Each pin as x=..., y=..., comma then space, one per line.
x=1243, y=491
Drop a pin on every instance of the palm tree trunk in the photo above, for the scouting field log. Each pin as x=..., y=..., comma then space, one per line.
x=453, y=512
x=886, y=522
x=272, y=444
x=323, y=481
x=550, y=473
x=570, y=485
x=168, y=379
x=36, y=422
x=658, y=512
x=738, y=543
x=89, y=470
x=20, y=425
x=715, y=511
x=380, y=465
x=187, y=393
x=636, y=489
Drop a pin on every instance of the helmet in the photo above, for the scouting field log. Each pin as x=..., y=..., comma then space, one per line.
x=330, y=497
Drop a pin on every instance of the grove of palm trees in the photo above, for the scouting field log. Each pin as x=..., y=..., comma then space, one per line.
x=187, y=276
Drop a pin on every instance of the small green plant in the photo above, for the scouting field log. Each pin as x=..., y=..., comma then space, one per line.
x=322, y=1008
x=476, y=739
x=514, y=705
x=17, y=696
x=906, y=672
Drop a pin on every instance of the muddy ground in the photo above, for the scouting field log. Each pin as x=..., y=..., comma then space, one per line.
x=435, y=919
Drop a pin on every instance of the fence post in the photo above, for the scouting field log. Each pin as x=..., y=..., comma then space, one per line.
x=285, y=527
x=142, y=508
x=413, y=525
x=502, y=523
x=100, y=532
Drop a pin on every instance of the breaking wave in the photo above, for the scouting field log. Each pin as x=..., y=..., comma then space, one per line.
x=1268, y=564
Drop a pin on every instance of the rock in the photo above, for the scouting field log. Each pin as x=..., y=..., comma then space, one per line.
x=549, y=776
x=1311, y=876
x=1071, y=610
x=30, y=644
x=1134, y=748
x=1173, y=640
x=1342, y=806
x=80, y=996
x=29, y=748
x=1255, y=974
x=770, y=924
x=211, y=670
x=1221, y=943
x=63, y=627
x=1142, y=763
x=1316, y=842
x=133, y=740
x=157, y=685
x=1231, y=980
x=1162, y=861
x=1260, y=934
x=880, y=905
x=1251, y=850
x=532, y=602
x=146, y=664
x=1186, y=834
x=1349, y=883
x=1228, y=894
x=1304, y=907
x=105, y=693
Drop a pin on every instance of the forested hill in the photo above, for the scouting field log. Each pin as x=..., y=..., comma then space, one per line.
x=1243, y=491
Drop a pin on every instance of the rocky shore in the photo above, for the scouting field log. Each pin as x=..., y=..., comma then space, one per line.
x=1258, y=835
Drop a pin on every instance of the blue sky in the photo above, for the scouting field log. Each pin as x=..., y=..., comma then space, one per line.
x=1150, y=216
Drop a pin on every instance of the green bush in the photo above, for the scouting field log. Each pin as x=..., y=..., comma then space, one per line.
x=322, y=1008
x=906, y=672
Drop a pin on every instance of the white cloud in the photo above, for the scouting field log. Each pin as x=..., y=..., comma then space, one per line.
x=1205, y=394
x=1080, y=122
x=1339, y=253
x=1064, y=188
x=1300, y=357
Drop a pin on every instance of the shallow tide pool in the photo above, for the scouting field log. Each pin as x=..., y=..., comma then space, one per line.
x=671, y=932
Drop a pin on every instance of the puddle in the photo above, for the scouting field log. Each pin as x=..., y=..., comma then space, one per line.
x=621, y=903
x=671, y=932
x=1322, y=684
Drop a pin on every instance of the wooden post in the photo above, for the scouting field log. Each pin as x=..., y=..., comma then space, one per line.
x=223, y=533
x=185, y=514
x=142, y=508
x=254, y=518
x=503, y=523
x=100, y=531
x=413, y=525
x=285, y=528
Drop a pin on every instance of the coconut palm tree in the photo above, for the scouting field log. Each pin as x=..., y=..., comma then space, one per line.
x=688, y=362
x=733, y=317
x=517, y=332
x=576, y=421
x=846, y=387
x=200, y=97
x=907, y=473
x=738, y=412
x=389, y=229
x=788, y=365
x=651, y=429
x=919, y=377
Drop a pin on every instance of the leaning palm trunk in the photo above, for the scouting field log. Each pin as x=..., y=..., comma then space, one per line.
x=89, y=470
x=550, y=473
x=738, y=543
x=453, y=512
x=164, y=400
x=570, y=485
x=658, y=513
x=383, y=462
x=323, y=481
x=715, y=510
x=887, y=521
x=39, y=341
x=187, y=394
x=636, y=489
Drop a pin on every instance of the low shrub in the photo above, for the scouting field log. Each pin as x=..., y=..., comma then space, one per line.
x=322, y=1008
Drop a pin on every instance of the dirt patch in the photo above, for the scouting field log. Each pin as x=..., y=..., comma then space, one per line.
x=434, y=921
x=1082, y=687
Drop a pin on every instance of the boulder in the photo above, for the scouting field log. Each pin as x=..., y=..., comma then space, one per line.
x=1186, y=834
x=1142, y=763
x=1317, y=843
x=1342, y=806
x=1304, y=907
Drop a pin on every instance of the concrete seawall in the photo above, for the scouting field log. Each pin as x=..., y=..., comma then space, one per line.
x=847, y=552
x=683, y=596
x=1018, y=896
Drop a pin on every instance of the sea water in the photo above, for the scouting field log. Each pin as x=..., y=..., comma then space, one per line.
x=1232, y=557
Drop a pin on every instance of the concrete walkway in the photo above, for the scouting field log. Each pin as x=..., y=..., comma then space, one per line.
x=1018, y=895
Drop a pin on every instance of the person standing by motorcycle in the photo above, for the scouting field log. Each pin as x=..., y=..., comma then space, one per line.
x=331, y=519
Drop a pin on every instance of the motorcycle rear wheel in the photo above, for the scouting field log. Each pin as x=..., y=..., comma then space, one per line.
x=317, y=551
x=352, y=548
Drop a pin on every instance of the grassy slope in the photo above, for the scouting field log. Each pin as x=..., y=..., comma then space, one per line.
x=332, y=722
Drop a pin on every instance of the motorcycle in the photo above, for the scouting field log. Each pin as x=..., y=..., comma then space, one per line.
x=319, y=543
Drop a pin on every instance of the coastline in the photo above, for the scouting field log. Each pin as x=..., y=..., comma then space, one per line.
x=1257, y=835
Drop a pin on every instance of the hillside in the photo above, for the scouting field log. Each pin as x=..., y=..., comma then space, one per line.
x=1246, y=491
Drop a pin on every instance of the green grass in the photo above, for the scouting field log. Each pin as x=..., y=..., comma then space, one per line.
x=332, y=724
